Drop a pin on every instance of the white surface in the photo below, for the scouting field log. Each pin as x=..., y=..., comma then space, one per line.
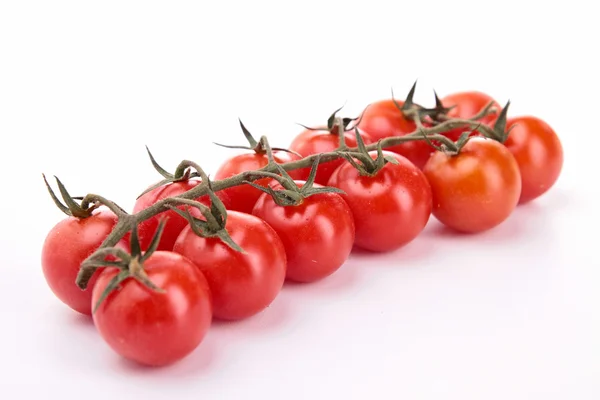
x=511, y=314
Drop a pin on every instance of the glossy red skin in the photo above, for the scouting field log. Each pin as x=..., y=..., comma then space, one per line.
x=538, y=152
x=310, y=142
x=317, y=235
x=175, y=223
x=383, y=119
x=243, y=197
x=476, y=190
x=242, y=285
x=152, y=328
x=68, y=243
x=467, y=105
x=391, y=208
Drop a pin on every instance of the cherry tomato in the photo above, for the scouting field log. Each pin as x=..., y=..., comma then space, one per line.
x=391, y=208
x=155, y=328
x=538, y=152
x=175, y=223
x=317, y=234
x=467, y=105
x=477, y=189
x=242, y=197
x=68, y=243
x=242, y=285
x=383, y=119
x=310, y=142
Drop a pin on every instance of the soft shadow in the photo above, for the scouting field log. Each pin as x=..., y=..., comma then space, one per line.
x=272, y=317
x=80, y=321
x=345, y=278
x=200, y=361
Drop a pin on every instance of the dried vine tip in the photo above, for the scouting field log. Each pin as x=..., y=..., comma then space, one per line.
x=500, y=132
x=131, y=265
x=331, y=120
x=70, y=208
x=214, y=223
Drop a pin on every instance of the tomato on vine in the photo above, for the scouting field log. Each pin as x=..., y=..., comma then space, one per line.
x=172, y=185
x=155, y=308
x=390, y=199
x=68, y=244
x=466, y=105
x=476, y=189
x=244, y=278
x=387, y=118
x=242, y=197
x=314, y=223
x=313, y=141
x=539, y=153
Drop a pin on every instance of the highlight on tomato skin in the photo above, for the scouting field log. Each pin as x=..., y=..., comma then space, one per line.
x=539, y=153
x=242, y=284
x=67, y=244
x=477, y=189
x=152, y=328
x=383, y=119
x=391, y=208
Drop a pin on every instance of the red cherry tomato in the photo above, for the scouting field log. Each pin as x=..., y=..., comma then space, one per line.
x=477, y=189
x=467, y=105
x=538, y=152
x=241, y=284
x=391, y=208
x=175, y=223
x=317, y=234
x=70, y=242
x=383, y=119
x=242, y=197
x=154, y=328
x=310, y=142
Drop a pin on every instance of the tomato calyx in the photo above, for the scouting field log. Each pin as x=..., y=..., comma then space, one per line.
x=337, y=125
x=291, y=193
x=131, y=264
x=257, y=146
x=70, y=207
x=182, y=173
x=500, y=133
x=448, y=146
x=213, y=226
x=367, y=166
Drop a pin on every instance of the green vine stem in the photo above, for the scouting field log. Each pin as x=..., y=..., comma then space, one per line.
x=127, y=221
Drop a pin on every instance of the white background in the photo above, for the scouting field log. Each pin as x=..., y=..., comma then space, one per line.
x=510, y=314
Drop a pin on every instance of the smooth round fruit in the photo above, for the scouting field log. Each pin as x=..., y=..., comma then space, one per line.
x=310, y=142
x=383, y=119
x=243, y=197
x=68, y=243
x=465, y=106
x=175, y=223
x=317, y=234
x=475, y=190
x=154, y=328
x=242, y=285
x=538, y=152
x=391, y=208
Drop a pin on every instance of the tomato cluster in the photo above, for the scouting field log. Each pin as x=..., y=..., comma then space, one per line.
x=227, y=255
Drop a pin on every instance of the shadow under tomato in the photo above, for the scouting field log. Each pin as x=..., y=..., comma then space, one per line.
x=342, y=280
x=277, y=314
x=81, y=321
x=195, y=364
